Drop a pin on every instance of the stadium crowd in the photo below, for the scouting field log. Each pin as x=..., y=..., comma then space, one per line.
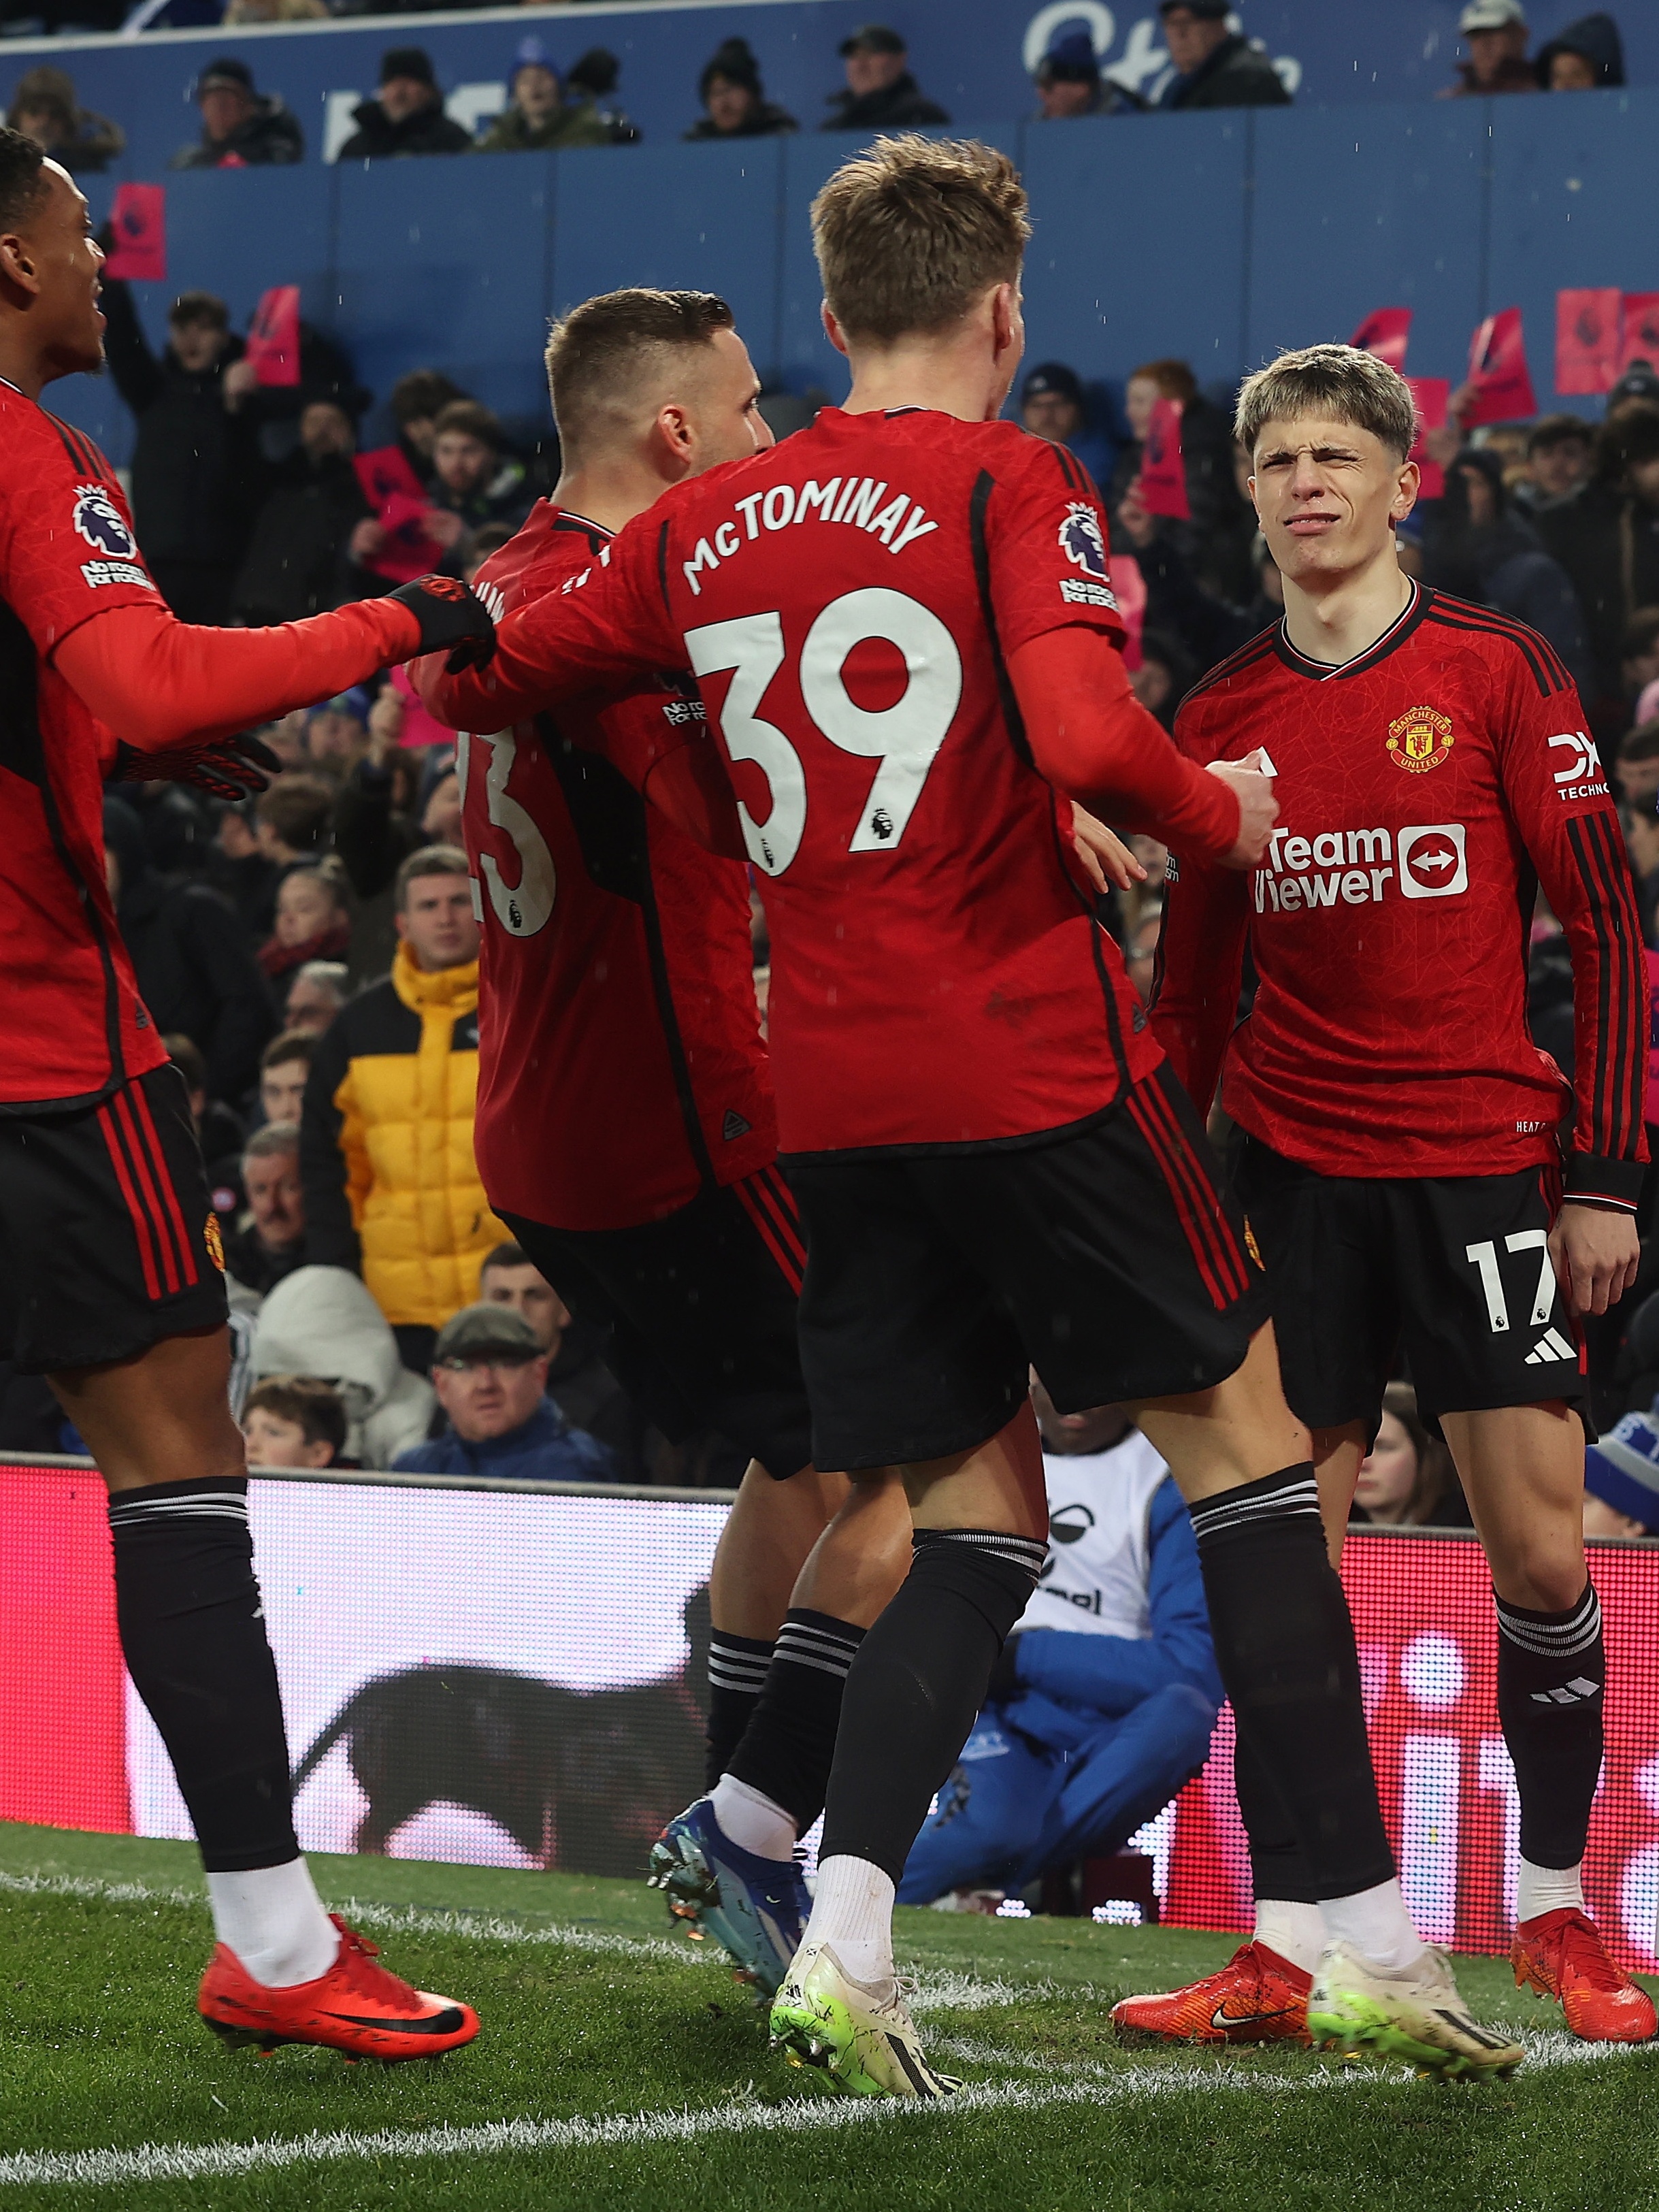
x=551, y=104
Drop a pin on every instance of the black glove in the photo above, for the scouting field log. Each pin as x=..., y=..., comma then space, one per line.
x=450, y=616
x=230, y=768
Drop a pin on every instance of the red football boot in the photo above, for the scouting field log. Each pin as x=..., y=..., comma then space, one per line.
x=1561, y=1955
x=1256, y=1997
x=356, y=2007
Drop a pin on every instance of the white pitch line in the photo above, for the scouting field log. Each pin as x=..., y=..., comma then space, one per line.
x=154, y=2162
x=1091, y=2085
x=938, y=1991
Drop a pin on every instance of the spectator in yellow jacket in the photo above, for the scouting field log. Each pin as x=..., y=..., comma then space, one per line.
x=392, y=1190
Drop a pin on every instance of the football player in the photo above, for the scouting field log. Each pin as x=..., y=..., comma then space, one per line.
x=114, y=1275
x=1406, y=1164
x=902, y=622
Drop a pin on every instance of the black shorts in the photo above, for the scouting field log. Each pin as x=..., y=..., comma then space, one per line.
x=1111, y=1260
x=1452, y=1270
x=696, y=1314
x=108, y=1239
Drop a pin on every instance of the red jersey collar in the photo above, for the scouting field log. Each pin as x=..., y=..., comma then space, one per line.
x=1321, y=671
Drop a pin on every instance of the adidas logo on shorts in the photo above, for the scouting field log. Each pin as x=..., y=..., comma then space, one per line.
x=1551, y=1345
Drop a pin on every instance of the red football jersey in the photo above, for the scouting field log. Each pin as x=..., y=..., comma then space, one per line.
x=848, y=600
x=1424, y=789
x=75, y=1026
x=620, y=1061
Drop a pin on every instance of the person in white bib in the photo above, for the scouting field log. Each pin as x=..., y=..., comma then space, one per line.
x=1106, y=1692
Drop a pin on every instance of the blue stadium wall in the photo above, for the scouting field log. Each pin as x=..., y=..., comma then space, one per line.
x=1220, y=238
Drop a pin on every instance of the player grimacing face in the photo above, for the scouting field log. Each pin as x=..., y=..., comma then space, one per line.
x=1327, y=495
x=55, y=260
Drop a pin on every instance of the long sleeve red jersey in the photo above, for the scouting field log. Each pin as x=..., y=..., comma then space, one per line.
x=75, y=1026
x=851, y=601
x=620, y=1061
x=1424, y=788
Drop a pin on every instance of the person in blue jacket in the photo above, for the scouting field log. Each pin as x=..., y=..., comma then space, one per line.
x=489, y=1372
x=1106, y=1692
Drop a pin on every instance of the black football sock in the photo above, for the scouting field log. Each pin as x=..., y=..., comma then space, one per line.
x=194, y=1635
x=1285, y=1646
x=1277, y=1868
x=917, y=1685
x=1552, y=1671
x=790, y=1742
x=736, y=1675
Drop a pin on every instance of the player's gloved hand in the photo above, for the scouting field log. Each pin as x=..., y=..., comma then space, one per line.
x=452, y=619
x=230, y=769
x=1251, y=782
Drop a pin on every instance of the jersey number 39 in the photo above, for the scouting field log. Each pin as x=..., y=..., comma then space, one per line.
x=905, y=738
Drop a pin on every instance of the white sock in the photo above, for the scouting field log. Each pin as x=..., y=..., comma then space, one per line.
x=1548, y=1889
x=273, y=1919
x=752, y=1820
x=1297, y=1932
x=853, y=1913
x=1375, y=1923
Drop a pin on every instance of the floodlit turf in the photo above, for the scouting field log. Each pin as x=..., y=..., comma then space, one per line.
x=621, y=2069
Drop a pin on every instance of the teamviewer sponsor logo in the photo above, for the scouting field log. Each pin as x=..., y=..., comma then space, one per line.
x=1359, y=867
x=1434, y=862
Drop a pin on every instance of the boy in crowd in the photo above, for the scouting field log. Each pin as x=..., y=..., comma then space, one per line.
x=294, y=1420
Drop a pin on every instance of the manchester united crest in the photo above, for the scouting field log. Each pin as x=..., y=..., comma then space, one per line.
x=215, y=1241
x=1420, y=739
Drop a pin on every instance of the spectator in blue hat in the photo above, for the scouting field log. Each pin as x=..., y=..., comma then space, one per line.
x=1622, y=1479
x=1053, y=405
x=540, y=111
x=1068, y=82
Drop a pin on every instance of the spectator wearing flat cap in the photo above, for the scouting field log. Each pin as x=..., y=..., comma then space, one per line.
x=881, y=93
x=241, y=128
x=406, y=115
x=542, y=110
x=1054, y=405
x=734, y=101
x=1068, y=82
x=44, y=107
x=489, y=1372
x=1495, y=33
x=1214, y=67
x=1587, y=56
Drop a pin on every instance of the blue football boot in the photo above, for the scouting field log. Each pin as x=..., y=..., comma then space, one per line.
x=757, y=1908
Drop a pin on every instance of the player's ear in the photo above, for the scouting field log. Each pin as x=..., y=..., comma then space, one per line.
x=832, y=329
x=18, y=268
x=675, y=438
x=1008, y=329
x=1406, y=491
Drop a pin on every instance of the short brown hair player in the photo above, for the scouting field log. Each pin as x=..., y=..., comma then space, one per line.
x=903, y=626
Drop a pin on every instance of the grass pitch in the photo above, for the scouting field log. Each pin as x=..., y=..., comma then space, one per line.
x=622, y=2067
